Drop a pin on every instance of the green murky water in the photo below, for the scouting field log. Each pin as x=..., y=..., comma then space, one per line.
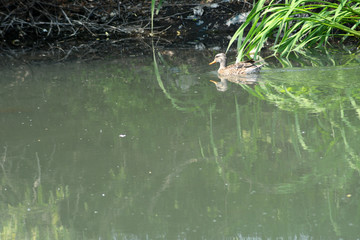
x=120, y=149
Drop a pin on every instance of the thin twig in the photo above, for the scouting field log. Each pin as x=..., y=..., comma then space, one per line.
x=69, y=21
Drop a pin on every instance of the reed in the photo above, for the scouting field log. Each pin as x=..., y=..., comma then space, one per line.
x=153, y=12
x=294, y=25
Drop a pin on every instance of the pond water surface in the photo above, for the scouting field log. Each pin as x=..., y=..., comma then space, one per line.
x=132, y=148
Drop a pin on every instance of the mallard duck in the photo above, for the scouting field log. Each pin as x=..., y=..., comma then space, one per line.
x=241, y=68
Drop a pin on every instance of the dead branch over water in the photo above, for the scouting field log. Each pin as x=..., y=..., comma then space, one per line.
x=31, y=20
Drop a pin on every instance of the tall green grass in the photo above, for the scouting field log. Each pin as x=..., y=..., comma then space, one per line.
x=296, y=24
x=153, y=12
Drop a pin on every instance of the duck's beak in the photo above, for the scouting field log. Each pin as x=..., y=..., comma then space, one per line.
x=212, y=62
x=213, y=81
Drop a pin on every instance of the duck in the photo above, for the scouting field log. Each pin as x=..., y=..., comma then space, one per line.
x=241, y=68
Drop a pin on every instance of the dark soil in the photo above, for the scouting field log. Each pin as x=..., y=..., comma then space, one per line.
x=58, y=30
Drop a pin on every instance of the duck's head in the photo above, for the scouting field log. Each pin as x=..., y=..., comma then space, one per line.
x=220, y=58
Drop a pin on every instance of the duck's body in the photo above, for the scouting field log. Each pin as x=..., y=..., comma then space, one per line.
x=241, y=68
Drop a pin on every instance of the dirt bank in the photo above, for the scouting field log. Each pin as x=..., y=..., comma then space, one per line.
x=34, y=30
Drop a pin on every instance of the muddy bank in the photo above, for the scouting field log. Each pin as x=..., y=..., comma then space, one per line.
x=61, y=30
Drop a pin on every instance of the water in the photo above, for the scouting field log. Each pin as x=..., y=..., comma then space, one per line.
x=115, y=150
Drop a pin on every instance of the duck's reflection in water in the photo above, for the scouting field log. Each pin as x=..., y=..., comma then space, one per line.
x=222, y=86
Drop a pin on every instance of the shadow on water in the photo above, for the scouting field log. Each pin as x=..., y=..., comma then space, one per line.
x=147, y=148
